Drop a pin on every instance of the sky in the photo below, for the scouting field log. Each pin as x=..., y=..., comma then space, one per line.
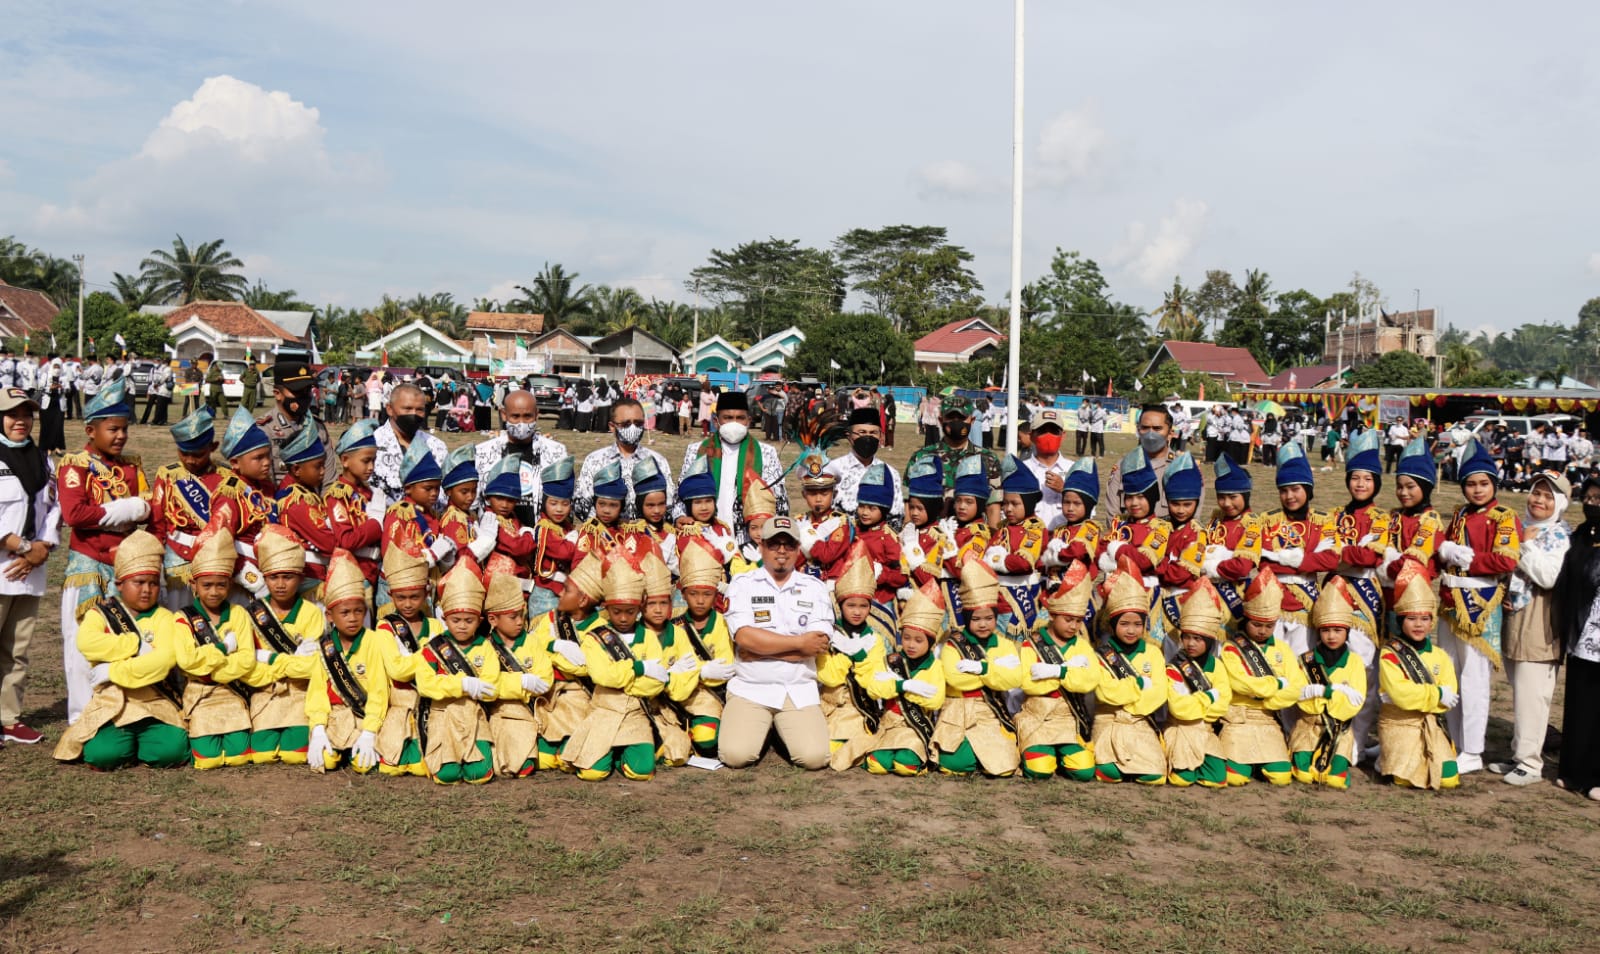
x=352, y=149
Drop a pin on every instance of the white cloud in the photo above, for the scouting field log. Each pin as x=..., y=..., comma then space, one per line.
x=1154, y=256
x=1594, y=263
x=1072, y=147
x=256, y=123
x=5, y=171
x=953, y=178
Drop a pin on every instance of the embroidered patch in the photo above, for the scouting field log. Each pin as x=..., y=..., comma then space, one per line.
x=361, y=669
x=802, y=603
x=74, y=478
x=526, y=661
x=477, y=661
x=1147, y=668
x=762, y=616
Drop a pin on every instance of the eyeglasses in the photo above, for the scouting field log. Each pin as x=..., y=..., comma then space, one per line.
x=781, y=543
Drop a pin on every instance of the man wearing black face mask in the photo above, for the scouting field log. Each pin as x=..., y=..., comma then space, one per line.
x=292, y=388
x=955, y=424
x=1155, y=437
x=866, y=435
x=407, y=414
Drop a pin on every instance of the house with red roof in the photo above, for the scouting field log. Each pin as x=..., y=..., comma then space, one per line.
x=957, y=343
x=226, y=329
x=24, y=311
x=1309, y=376
x=1235, y=367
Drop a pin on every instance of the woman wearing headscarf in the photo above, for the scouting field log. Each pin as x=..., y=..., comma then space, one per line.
x=1577, y=625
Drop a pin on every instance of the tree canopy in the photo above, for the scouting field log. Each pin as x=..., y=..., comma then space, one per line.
x=772, y=284
x=864, y=347
x=910, y=274
x=104, y=317
x=207, y=272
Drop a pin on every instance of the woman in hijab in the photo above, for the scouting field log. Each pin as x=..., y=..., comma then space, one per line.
x=1577, y=619
x=1531, y=649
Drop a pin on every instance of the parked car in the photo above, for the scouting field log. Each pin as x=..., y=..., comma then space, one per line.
x=232, y=378
x=139, y=378
x=546, y=390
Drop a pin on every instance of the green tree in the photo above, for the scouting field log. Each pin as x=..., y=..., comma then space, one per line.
x=866, y=348
x=910, y=274
x=104, y=317
x=1169, y=379
x=389, y=316
x=555, y=294
x=1586, y=338
x=1215, y=299
x=342, y=329
x=1078, y=329
x=617, y=309
x=1394, y=369
x=33, y=268
x=262, y=298
x=772, y=284
x=133, y=291
x=670, y=321
x=207, y=272
x=1176, y=319
x=1246, y=323
x=1292, y=333
x=439, y=310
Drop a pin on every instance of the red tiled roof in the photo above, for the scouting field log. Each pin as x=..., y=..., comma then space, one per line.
x=505, y=321
x=33, y=308
x=1236, y=364
x=958, y=337
x=1307, y=377
x=230, y=318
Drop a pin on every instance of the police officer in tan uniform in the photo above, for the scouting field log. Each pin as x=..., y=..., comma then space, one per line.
x=292, y=386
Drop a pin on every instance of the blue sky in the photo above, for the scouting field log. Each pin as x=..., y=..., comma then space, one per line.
x=352, y=149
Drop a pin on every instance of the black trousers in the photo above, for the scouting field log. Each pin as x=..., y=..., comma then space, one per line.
x=162, y=404
x=1211, y=449
x=1579, y=768
x=1391, y=457
x=1080, y=440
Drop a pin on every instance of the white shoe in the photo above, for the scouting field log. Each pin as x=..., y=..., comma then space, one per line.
x=1502, y=768
x=1520, y=776
x=1468, y=762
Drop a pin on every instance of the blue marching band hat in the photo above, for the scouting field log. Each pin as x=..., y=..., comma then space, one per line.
x=648, y=478
x=876, y=487
x=305, y=445
x=1183, y=480
x=1362, y=454
x=608, y=483
x=419, y=465
x=461, y=466
x=357, y=436
x=1416, y=462
x=555, y=480
x=504, y=479
x=195, y=432
x=110, y=401
x=972, y=477
x=697, y=481
x=1137, y=475
x=1231, y=478
x=1016, y=478
x=1293, y=468
x=242, y=435
x=1084, y=480
x=1476, y=460
x=925, y=478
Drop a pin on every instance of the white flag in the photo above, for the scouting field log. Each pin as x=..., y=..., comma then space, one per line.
x=121, y=342
x=833, y=364
x=881, y=370
x=316, y=355
x=1136, y=384
x=1085, y=377
x=170, y=350
x=1038, y=375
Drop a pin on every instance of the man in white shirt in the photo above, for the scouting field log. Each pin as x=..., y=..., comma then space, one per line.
x=1049, y=467
x=1395, y=441
x=627, y=429
x=1097, y=429
x=732, y=444
x=780, y=622
x=865, y=435
x=407, y=415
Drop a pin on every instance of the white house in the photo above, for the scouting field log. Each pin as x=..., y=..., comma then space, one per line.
x=714, y=355
x=227, y=329
x=771, y=352
x=436, y=347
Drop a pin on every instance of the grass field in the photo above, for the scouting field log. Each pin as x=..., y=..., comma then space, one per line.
x=773, y=859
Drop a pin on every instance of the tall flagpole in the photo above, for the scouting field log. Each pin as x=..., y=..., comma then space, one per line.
x=1014, y=338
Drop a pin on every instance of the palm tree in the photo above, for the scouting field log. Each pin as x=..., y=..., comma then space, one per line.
x=552, y=294
x=56, y=277
x=670, y=321
x=131, y=290
x=1460, y=361
x=208, y=272
x=617, y=309
x=1257, y=288
x=262, y=298
x=1176, y=319
x=485, y=304
x=439, y=310
x=390, y=316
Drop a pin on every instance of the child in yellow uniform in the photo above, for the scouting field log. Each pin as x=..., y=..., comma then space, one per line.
x=851, y=688
x=347, y=697
x=287, y=628
x=760, y=505
x=1198, y=691
x=525, y=678
x=1417, y=684
x=1323, y=747
x=405, y=630
x=1266, y=678
x=706, y=633
x=456, y=671
x=905, y=731
x=216, y=650
x=671, y=719
x=980, y=665
x=132, y=713
x=1058, y=663
x=561, y=631
x=624, y=662
x=1132, y=685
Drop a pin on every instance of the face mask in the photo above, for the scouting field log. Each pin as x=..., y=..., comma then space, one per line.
x=733, y=432
x=865, y=447
x=408, y=424
x=955, y=431
x=521, y=432
x=630, y=434
x=1591, y=512
x=1047, y=444
x=1153, y=442
x=295, y=408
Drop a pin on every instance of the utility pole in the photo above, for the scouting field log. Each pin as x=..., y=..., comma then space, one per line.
x=1014, y=349
x=79, y=259
x=695, y=351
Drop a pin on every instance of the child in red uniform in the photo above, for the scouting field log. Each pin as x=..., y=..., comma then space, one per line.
x=354, y=510
x=246, y=501
x=410, y=522
x=1186, y=546
x=1291, y=546
x=1078, y=538
x=460, y=489
x=1233, y=539
x=1138, y=534
x=923, y=543
x=600, y=532
x=698, y=492
x=300, y=504
x=821, y=518
x=180, y=501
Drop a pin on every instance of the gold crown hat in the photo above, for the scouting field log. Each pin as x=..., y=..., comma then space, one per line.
x=624, y=580
x=657, y=578
x=279, y=551
x=1263, y=598
x=698, y=564
x=759, y=500
x=979, y=586
x=461, y=591
x=812, y=475
x=1071, y=596
x=1200, y=610
x=858, y=579
x=213, y=555
x=404, y=569
x=345, y=582
x=1334, y=605
x=924, y=610
x=1125, y=593
x=1414, y=594
x=504, y=594
x=139, y=552
x=589, y=576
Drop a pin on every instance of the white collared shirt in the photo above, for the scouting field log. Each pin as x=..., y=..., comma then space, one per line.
x=800, y=605
x=849, y=469
x=1049, y=509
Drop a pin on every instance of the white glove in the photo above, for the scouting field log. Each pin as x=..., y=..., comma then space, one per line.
x=883, y=676
x=971, y=667
x=1040, y=671
x=124, y=510
x=309, y=647
x=1391, y=562
x=318, y=749
x=1052, y=553
x=913, y=556
x=751, y=553
x=365, y=752
x=377, y=507
x=1456, y=555
x=1282, y=683
x=533, y=685
x=717, y=671
x=100, y=674
x=570, y=651
x=949, y=526
x=1349, y=692
x=850, y=645
x=684, y=663
x=474, y=688
x=916, y=687
x=1181, y=688
x=1212, y=692
x=230, y=642
x=808, y=537
x=1448, y=697
x=995, y=559
x=1079, y=662
x=1008, y=662
x=250, y=579
x=655, y=670
x=1367, y=540
x=1108, y=557
x=1291, y=557
x=903, y=593
x=1310, y=692
x=263, y=656
x=1213, y=560
x=441, y=550
x=825, y=528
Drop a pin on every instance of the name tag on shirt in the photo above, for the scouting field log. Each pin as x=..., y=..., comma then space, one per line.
x=763, y=599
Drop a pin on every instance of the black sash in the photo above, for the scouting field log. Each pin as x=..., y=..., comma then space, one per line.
x=699, y=644
x=271, y=629
x=344, y=681
x=918, y=718
x=402, y=631
x=205, y=635
x=997, y=705
x=448, y=652
x=1193, y=675
x=566, y=630
x=618, y=649
x=508, y=661
x=1122, y=669
x=1050, y=653
x=1254, y=659
x=860, y=699
x=1328, y=739
x=121, y=622
x=1415, y=669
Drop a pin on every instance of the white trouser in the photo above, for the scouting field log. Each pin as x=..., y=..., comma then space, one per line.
x=1469, y=720
x=1532, y=685
x=1361, y=726
x=74, y=667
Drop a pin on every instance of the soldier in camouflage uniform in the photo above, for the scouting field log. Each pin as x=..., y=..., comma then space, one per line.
x=955, y=424
x=293, y=383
